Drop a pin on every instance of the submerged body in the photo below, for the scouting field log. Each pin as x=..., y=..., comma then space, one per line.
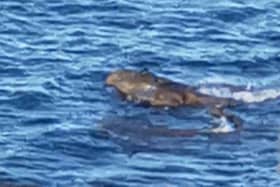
x=142, y=128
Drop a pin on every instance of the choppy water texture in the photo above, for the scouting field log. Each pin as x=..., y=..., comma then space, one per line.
x=55, y=54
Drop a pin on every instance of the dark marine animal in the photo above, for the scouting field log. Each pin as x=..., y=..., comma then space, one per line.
x=146, y=87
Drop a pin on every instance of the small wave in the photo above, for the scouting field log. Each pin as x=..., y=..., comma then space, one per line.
x=30, y=100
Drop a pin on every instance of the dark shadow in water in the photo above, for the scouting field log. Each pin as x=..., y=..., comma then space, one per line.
x=137, y=134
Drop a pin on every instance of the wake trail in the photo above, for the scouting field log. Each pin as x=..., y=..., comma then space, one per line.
x=243, y=94
x=246, y=95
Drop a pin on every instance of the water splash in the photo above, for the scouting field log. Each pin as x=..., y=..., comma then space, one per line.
x=224, y=126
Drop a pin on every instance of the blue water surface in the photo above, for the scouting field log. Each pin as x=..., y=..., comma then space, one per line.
x=55, y=55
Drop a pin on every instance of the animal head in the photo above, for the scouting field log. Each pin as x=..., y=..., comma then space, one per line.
x=129, y=81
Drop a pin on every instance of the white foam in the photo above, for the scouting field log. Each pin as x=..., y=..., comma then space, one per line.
x=247, y=95
x=224, y=127
x=218, y=92
x=257, y=96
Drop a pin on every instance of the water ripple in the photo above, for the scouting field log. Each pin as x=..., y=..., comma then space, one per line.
x=55, y=55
